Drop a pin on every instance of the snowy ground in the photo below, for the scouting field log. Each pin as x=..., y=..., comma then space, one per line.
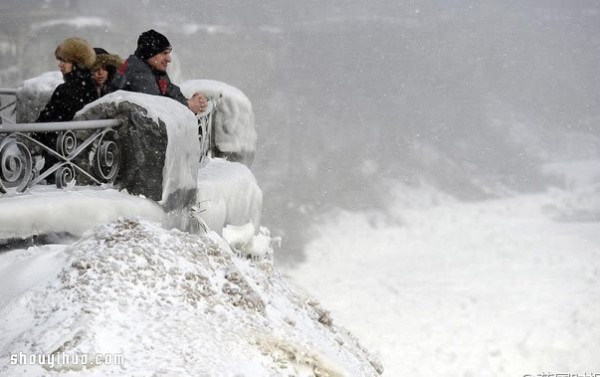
x=133, y=299
x=499, y=288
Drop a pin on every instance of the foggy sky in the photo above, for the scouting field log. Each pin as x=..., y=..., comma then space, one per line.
x=350, y=94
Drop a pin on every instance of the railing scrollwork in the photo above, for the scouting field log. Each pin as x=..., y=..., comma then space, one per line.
x=84, y=151
x=16, y=169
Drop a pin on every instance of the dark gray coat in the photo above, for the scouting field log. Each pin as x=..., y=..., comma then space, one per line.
x=137, y=76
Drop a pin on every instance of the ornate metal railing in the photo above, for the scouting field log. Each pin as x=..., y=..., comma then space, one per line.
x=83, y=150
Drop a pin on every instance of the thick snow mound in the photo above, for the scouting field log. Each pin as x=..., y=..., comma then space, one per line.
x=47, y=210
x=131, y=298
x=235, y=131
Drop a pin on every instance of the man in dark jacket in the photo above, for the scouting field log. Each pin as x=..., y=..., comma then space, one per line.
x=146, y=71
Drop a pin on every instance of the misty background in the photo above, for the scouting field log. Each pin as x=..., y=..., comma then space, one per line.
x=351, y=96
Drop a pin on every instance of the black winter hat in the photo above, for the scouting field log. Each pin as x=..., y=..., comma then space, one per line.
x=151, y=43
x=100, y=51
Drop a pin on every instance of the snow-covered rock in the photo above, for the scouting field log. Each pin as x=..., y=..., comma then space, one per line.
x=131, y=298
x=234, y=128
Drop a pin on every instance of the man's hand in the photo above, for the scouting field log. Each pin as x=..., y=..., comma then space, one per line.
x=198, y=103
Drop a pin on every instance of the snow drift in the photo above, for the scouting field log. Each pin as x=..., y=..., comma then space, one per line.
x=171, y=303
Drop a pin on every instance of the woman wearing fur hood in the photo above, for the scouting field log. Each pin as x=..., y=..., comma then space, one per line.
x=75, y=58
x=104, y=69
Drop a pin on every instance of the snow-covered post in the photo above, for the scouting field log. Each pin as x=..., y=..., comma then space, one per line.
x=159, y=145
x=234, y=129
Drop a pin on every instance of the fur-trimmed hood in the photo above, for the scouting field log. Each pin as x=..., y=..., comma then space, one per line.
x=77, y=51
x=107, y=60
